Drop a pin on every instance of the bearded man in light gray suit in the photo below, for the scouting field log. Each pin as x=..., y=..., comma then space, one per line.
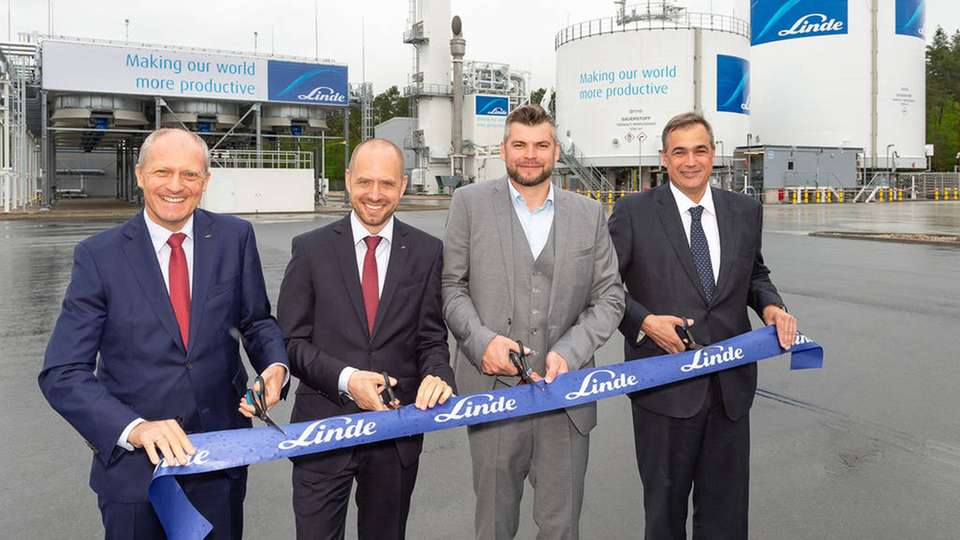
x=524, y=261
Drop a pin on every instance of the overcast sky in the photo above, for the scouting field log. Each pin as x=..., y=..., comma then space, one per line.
x=518, y=32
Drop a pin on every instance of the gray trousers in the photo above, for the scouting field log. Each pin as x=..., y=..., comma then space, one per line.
x=547, y=449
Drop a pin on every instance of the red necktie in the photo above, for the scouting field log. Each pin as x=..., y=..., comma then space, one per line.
x=179, y=284
x=370, y=281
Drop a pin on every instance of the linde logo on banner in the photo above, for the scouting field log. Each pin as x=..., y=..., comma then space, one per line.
x=323, y=94
x=314, y=84
x=327, y=430
x=477, y=405
x=712, y=356
x=492, y=105
x=602, y=381
x=777, y=20
x=911, y=18
x=733, y=84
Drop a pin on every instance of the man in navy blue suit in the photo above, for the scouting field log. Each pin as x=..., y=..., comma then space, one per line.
x=154, y=299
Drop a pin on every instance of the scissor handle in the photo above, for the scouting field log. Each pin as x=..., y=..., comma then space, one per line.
x=390, y=400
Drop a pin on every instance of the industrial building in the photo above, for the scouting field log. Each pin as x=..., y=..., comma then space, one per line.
x=76, y=111
x=458, y=106
x=837, y=86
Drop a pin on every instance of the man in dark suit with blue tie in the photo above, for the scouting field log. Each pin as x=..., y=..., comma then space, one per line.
x=689, y=251
x=154, y=299
x=361, y=297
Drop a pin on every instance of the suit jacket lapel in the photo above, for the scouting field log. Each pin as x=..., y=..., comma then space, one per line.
x=141, y=257
x=729, y=243
x=502, y=206
x=396, y=269
x=205, y=248
x=347, y=261
x=673, y=230
x=560, y=230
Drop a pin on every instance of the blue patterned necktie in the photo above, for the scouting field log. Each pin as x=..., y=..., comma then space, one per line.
x=701, y=253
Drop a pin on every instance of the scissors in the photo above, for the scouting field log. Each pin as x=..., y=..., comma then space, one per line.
x=390, y=399
x=686, y=337
x=258, y=400
x=519, y=360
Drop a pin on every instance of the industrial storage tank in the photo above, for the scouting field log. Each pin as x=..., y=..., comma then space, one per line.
x=843, y=74
x=620, y=79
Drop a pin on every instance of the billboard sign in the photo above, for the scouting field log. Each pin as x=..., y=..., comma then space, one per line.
x=112, y=69
x=911, y=17
x=778, y=20
x=733, y=84
x=492, y=105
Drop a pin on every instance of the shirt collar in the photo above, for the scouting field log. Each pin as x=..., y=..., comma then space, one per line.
x=684, y=204
x=518, y=199
x=159, y=235
x=360, y=232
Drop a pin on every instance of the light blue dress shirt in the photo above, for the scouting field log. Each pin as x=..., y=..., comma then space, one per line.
x=537, y=223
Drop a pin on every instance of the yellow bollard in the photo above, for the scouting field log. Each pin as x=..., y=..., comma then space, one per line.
x=818, y=196
x=956, y=194
x=936, y=194
x=840, y=197
x=794, y=196
x=829, y=196
x=900, y=194
x=610, y=198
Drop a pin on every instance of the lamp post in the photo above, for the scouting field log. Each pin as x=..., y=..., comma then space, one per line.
x=889, y=146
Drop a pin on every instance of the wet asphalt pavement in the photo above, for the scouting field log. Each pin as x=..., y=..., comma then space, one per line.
x=868, y=447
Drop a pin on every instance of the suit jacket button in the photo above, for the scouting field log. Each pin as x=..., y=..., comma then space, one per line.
x=189, y=365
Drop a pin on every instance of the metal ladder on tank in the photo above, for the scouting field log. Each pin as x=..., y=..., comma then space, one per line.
x=871, y=188
x=592, y=178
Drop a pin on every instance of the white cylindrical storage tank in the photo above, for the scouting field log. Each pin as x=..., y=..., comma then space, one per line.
x=817, y=65
x=618, y=84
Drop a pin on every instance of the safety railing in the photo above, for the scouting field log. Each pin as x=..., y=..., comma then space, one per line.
x=685, y=20
x=267, y=159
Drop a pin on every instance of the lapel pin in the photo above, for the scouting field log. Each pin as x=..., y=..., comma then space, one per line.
x=208, y=235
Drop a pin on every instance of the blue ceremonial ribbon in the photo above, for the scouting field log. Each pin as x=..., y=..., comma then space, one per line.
x=234, y=448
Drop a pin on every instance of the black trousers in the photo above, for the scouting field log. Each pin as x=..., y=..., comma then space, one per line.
x=710, y=454
x=384, y=488
x=217, y=495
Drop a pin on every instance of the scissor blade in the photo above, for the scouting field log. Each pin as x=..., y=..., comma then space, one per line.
x=269, y=421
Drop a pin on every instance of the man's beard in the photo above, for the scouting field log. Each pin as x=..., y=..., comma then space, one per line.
x=514, y=175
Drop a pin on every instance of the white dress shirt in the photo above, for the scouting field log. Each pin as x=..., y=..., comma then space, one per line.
x=536, y=224
x=158, y=238
x=383, y=259
x=708, y=219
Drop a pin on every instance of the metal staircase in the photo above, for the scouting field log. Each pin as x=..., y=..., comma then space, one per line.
x=591, y=178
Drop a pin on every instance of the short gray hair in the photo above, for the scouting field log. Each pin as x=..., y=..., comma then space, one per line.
x=685, y=120
x=152, y=138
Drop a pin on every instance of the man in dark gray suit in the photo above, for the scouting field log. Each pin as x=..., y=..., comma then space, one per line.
x=687, y=250
x=524, y=261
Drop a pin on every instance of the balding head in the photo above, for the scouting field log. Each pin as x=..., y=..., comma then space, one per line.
x=377, y=149
x=376, y=182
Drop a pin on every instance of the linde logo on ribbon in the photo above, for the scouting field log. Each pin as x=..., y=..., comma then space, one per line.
x=235, y=448
x=911, y=18
x=476, y=406
x=315, y=84
x=777, y=20
x=331, y=430
x=733, y=84
x=712, y=356
x=602, y=381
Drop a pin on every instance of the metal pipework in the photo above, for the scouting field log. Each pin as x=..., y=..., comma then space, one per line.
x=458, y=47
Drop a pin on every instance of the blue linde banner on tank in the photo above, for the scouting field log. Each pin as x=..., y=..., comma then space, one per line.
x=492, y=105
x=911, y=17
x=733, y=84
x=233, y=448
x=311, y=84
x=777, y=20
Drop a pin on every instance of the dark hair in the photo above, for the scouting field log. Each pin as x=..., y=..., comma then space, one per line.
x=529, y=115
x=685, y=120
